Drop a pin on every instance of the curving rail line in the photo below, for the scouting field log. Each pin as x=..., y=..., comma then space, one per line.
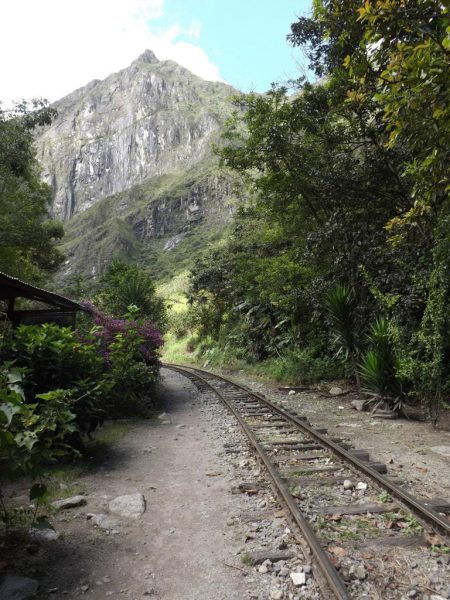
x=245, y=403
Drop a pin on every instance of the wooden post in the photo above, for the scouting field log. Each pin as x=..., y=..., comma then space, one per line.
x=10, y=309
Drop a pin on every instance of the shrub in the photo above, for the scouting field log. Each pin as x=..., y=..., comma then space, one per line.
x=32, y=433
x=378, y=367
x=56, y=358
x=64, y=375
x=110, y=329
x=303, y=365
x=180, y=324
x=125, y=286
x=130, y=352
x=340, y=305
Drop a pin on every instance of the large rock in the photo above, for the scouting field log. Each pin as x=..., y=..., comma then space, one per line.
x=336, y=391
x=131, y=505
x=72, y=502
x=16, y=587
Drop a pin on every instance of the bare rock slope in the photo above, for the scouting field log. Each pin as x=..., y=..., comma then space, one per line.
x=130, y=161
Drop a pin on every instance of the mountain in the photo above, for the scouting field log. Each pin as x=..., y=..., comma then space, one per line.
x=132, y=170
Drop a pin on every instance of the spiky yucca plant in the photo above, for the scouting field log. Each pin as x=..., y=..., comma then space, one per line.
x=340, y=305
x=378, y=365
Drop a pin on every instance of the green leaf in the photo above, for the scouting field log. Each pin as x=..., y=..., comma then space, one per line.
x=27, y=440
x=9, y=410
x=37, y=491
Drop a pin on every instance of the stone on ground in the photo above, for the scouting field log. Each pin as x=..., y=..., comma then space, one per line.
x=257, y=557
x=103, y=521
x=165, y=419
x=298, y=579
x=443, y=450
x=72, y=502
x=44, y=535
x=359, y=405
x=336, y=391
x=131, y=505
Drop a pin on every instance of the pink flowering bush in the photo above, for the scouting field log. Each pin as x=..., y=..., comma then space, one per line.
x=109, y=328
x=130, y=352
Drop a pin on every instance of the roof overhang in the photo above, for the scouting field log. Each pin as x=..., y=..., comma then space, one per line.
x=12, y=288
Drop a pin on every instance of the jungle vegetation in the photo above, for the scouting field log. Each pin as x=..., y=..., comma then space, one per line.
x=340, y=261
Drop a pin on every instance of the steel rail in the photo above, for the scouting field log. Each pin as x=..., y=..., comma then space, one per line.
x=333, y=578
x=425, y=512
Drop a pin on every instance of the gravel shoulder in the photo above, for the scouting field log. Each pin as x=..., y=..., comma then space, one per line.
x=415, y=452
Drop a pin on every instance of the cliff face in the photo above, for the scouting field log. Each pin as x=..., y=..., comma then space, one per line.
x=133, y=174
x=163, y=224
x=146, y=120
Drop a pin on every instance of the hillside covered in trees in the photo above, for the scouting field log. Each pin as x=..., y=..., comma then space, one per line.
x=342, y=256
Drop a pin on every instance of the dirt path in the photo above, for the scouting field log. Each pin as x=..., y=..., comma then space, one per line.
x=179, y=547
x=193, y=539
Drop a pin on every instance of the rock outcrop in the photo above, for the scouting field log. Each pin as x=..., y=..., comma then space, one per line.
x=146, y=120
x=131, y=166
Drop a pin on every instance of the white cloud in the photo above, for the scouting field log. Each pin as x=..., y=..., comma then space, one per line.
x=167, y=45
x=51, y=47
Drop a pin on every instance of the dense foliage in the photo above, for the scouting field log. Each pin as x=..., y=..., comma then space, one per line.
x=350, y=193
x=126, y=285
x=27, y=236
x=129, y=348
x=31, y=433
x=58, y=385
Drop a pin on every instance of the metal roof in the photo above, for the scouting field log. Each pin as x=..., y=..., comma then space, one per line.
x=12, y=287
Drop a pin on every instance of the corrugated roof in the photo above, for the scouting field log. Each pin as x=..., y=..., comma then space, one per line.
x=12, y=287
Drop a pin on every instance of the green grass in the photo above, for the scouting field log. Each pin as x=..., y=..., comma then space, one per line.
x=384, y=496
x=175, y=351
x=299, y=367
x=292, y=368
x=174, y=291
x=63, y=482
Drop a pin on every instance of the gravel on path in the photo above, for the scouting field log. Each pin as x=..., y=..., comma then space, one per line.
x=161, y=518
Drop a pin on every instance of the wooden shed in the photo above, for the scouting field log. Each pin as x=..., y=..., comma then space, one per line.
x=47, y=307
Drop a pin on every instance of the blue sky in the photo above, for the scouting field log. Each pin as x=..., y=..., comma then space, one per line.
x=246, y=39
x=55, y=46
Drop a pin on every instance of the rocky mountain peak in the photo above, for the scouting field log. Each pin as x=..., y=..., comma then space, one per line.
x=136, y=124
x=147, y=57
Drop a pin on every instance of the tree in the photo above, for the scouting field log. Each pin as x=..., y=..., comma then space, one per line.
x=348, y=180
x=392, y=60
x=27, y=235
x=125, y=287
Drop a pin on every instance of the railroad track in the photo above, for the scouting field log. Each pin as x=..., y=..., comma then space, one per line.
x=314, y=474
